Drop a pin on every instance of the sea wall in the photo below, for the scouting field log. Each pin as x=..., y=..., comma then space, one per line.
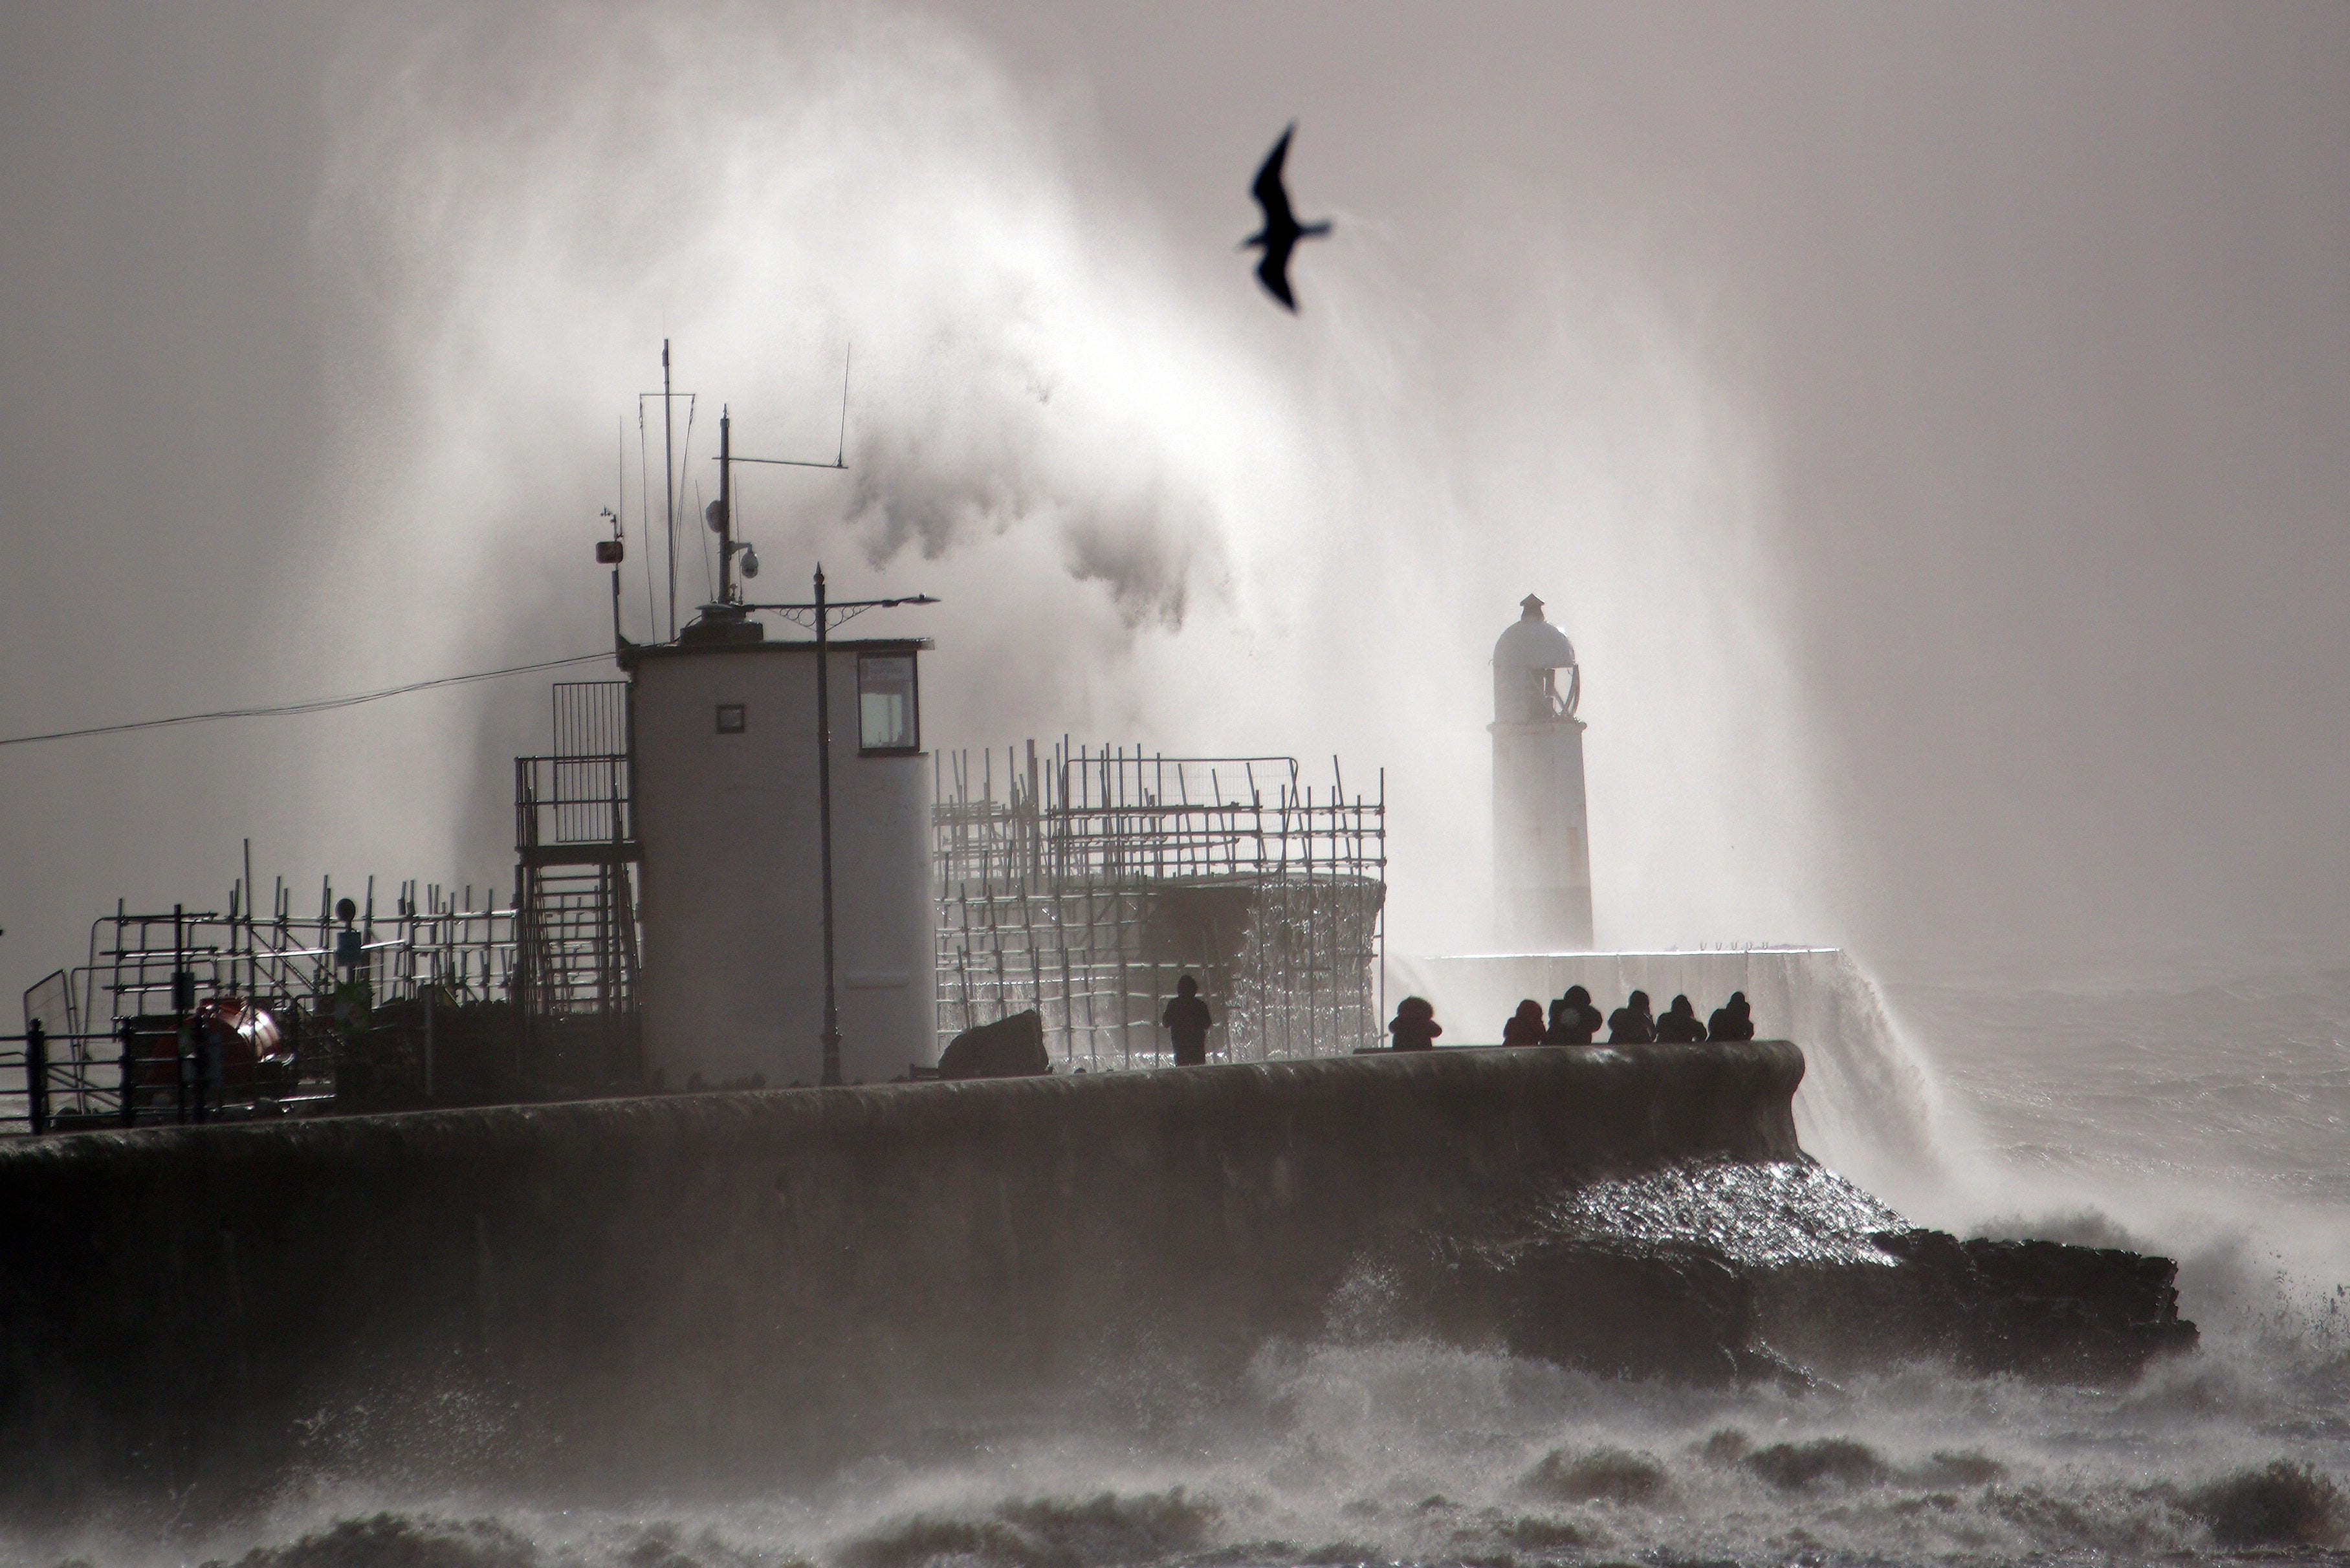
x=701, y=1286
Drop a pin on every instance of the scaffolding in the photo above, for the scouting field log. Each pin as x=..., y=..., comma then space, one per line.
x=1086, y=883
x=576, y=908
x=439, y=996
x=121, y=1020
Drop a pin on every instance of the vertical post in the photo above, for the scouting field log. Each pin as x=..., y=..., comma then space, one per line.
x=726, y=510
x=129, y=1034
x=182, y=996
x=252, y=978
x=1380, y=1018
x=37, y=1076
x=831, y=1078
x=669, y=486
x=1034, y=822
x=617, y=641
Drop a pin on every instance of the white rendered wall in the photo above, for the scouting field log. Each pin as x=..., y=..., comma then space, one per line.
x=1542, y=843
x=733, y=939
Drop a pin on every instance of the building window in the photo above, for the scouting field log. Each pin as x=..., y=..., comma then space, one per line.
x=729, y=718
x=888, y=719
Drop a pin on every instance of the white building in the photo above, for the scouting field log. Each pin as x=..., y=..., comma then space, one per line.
x=1542, y=840
x=725, y=806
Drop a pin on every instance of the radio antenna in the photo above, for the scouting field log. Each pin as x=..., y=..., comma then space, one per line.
x=669, y=489
x=840, y=459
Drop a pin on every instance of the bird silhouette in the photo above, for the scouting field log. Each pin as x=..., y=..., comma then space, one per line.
x=1282, y=231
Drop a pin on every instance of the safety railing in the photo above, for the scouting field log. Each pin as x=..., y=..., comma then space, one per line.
x=148, y=1072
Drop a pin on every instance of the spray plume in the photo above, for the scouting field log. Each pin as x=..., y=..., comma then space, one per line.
x=1153, y=513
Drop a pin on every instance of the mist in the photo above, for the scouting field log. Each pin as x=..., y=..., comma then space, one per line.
x=1157, y=510
x=1773, y=355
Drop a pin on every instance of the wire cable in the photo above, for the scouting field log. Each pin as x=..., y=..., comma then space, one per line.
x=314, y=705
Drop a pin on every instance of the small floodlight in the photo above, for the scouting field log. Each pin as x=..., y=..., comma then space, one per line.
x=608, y=552
x=715, y=515
x=346, y=912
x=750, y=561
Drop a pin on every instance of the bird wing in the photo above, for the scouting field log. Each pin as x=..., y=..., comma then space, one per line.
x=1268, y=189
x=1274, y=272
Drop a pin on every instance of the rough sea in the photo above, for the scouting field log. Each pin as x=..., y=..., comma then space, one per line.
x=2193, y=1108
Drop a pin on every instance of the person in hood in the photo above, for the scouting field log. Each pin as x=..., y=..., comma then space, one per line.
x=1632, y=1024
x=1733, y=1020
x=1415, y=1027
x=1679, y=1026
x=1572, y=1020
x=1526, y=1025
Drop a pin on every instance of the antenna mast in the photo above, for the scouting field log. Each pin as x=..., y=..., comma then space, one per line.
x=725, y=505
x=669, y=487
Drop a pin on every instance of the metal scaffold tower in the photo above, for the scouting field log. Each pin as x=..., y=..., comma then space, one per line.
x=575, y=842
x=1085, y=883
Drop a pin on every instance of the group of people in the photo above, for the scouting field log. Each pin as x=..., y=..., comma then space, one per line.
x=1573, y=1020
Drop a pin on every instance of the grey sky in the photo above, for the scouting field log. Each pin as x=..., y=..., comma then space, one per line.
x=2033, y=326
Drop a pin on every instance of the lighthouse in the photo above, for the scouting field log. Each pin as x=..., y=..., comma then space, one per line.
x=1542, y=843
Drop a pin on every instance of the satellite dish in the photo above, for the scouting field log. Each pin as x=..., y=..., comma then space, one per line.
x=715, y=515
x=750, y=561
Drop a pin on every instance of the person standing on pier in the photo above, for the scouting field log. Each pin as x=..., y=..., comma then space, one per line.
x=1188, y=1022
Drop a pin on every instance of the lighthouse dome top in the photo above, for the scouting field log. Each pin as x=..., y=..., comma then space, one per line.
x=1532, y=642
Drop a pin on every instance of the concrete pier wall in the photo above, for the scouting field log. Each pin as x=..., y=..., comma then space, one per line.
x=696, y=1286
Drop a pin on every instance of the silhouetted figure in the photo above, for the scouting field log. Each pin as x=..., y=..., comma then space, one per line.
x=1733, y=1020
x=1572, y=1020
x=1630, y=1024
x=1415, y=1027
x=1679, y=1026
x=1526, y=1025
x=1188, y=1023
x=1282, y=231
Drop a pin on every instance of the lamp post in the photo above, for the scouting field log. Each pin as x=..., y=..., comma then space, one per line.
x=821, y=616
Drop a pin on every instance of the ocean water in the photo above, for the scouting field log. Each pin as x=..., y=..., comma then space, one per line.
x=2196, y=1110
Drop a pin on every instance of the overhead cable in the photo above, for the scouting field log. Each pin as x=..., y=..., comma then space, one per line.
x=314, y=705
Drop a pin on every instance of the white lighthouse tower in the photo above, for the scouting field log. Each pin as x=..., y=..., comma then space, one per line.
x=1542, y=841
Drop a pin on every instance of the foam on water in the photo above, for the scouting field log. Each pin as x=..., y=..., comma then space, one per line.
x=1398, y=1452
x=1757, y=1216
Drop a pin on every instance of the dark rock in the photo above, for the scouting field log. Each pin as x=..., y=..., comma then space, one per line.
x=1010, y=1047
x=1723, y=1273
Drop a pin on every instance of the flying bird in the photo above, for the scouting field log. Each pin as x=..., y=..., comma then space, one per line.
x=1282, y=231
